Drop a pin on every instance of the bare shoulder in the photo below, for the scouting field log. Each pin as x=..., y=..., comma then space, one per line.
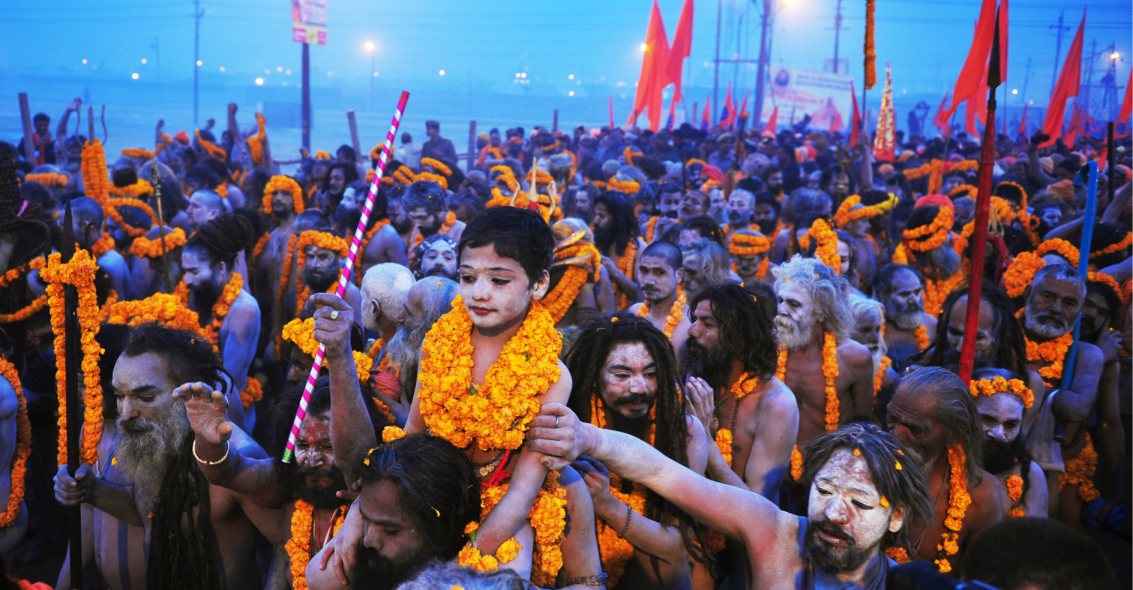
x=559, y=391
x=776, y=401
x=633, y=308
x=854, y=354
x=988, y=500
x=1090, y=357
x=245, y=308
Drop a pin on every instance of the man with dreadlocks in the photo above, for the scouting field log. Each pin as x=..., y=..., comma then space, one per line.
x=228, y=313
x=626, y=380
x=200, y=536
x=615, y=235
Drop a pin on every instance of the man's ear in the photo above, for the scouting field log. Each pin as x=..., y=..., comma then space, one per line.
x=896, y=520
x=220, y=267
x=541, y=284
x=680, y=275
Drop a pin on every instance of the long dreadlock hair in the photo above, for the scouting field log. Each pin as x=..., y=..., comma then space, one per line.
x=585, y=362
x=1010, y=350
x=183, y=551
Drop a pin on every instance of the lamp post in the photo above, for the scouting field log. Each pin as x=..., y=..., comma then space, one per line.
x=371, y=48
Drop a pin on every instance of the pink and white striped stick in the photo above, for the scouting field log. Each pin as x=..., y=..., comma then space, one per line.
x=347, y=271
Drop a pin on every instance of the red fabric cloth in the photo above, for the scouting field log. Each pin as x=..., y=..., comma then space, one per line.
x=680, y=49
x=1069, y=81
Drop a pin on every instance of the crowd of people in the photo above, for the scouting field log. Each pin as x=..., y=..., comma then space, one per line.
x=608, y=358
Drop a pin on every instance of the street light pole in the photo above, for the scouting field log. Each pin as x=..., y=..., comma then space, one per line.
x=372, y=49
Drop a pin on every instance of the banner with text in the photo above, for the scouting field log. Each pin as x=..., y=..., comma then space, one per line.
x=309, y=21
x=823, y=96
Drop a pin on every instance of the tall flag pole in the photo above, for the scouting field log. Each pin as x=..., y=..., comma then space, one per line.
x=995, y=72
x=347, y=271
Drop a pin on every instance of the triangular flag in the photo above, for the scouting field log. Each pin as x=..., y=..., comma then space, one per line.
x=1069, y=82
x=729, y=115
x=885, y=143
x=1023, y=123
x=743, y=107
x=974, y=73
x=653, y=75
x=772, y=128
x=856, y=122
x=680, y=48
x=941, y=120
x=1127, y=102
x=706, y=118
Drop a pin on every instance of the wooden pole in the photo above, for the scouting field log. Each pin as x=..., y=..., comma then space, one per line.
x=555, y=120
x=306, y=95
x=71, y=337
x=471, y=144
x=29, y=132
x=353, y=122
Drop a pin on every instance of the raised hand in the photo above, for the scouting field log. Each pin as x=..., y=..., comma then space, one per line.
x=207, y=410
x=71, y=491
x=334, y=320
x=232, y=108
x=557, y=434
x=700, y=400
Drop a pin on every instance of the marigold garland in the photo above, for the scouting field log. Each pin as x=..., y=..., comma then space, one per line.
x=144, y=247
x=258, y=249
x=625, y=265
x=958, y=502
x=994, y=385
x=676, y=312
x=796, y=463
x=1080, y=472
x=496, y=413
x=931, y=236
x=26, y=312
x=138, y=153
x=446, y=226
x=23, y=446
x=165, y=308
x=209, y=147
x=1061, y=248
x=1115, y=247
x=1050, y=355
x=1014, y=486
x=651, y=228
x=104, y=244
x=921, y=334
x=740, y=389
x=285, y=270
x=745, y=244
x=96, y=180
x=965, y=188
x=301, y=333
x=322, y=241
x=1101, y=278
x=286, y=184
x=111, y=210
x=629, y=187
x=255, y=143
x=870, y=50
x=829, y=371
x=879, y=376
x=937, y=290
x=1017, y=277
x=431, y=177
x=15, y=273
x=298, y=547
x=438, y=166
x=826, y=241
x=140, y=188
x=51, y=179
x=842, y=216
x=253, y=392
x=559, y=300
x=79, y=273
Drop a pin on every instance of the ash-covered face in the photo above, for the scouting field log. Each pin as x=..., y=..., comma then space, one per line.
x=629, y=380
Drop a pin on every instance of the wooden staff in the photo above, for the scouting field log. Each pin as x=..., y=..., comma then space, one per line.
x=983, y=202
x=29, y=132
x=155, y=180
x=353, y=123
x=72, y=336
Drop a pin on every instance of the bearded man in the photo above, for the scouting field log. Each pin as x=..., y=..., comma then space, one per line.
x=217, y=294
x=869, y=317
x=201, y=536
x=87, y=221
x=436, y=256
x=740, y=211
x=660, y=273
x=616, y=236
x=830, y=375
x=381, y=242
x=859, y=501
x=323, y=254
x=626, y=380
x=908, y=329
x=927, y=245
x=934, y=417
x=1053, y=302
x=425, y=203
x=426, y=301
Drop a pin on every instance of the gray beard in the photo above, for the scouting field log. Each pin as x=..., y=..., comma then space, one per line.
x=404, y=351
x=790, y=334
x=1033, y=324
x=907, y=321
x=146, y=449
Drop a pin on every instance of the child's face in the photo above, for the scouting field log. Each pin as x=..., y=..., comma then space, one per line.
x=495, y=289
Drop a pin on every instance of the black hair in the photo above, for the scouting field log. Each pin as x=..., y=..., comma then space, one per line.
x=518, y=234
x=1036, y=553
x=883, y=280
x=112, y=339
x=125, y=176
x=666, y=251
x=747, y=328
x=439, y=489
x=202, y=177
x=41, y=117
x=955, y=410
x=766, y=198
x=706, y=227
x=427, y=194
x=218, y=168
x=221, y=238
x=188, y=355
x=1010, y=350
x=347, y=152
x=623, y=223
x=905, y=487
x=349, y=173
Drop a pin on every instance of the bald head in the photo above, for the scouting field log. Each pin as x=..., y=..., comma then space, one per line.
x=86, y=220
x=429, y=299
x=384, y=290
x=204, y=205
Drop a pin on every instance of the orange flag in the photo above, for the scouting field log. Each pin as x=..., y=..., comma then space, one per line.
x=653, y=75
x=680, y=48
x=973, y=76
x=1069, y=81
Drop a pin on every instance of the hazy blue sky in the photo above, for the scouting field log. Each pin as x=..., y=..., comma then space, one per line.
x=482, y=45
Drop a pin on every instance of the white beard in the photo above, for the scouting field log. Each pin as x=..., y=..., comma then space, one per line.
x=790, y=334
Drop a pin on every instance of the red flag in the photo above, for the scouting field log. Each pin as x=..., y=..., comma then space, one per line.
x=706, y=118
x=941, y=119
x=1002, y=41
x=974, y=74
x=680, y=49
x=743, y=107
x=772, y=128
x=1075, y=128
x=729, y=116
x=885, y=143
x=1127, y=102
x=652, y=77
x=1069, y=81
x=856, y=122
x=1103, y=157
x=1023, y=123
x=611, y=112
x=970, y=120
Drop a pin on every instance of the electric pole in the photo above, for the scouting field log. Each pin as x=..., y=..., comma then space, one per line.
x=837, y=35
x=1090, y=73
x=1057, y=48
x=764, y=59
x=198, y=13
x=716, y=72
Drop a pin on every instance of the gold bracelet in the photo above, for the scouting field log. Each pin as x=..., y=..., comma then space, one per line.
x=629, y=517
x=227, y=448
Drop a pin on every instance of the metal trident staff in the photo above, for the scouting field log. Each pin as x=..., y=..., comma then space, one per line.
x=347, y=271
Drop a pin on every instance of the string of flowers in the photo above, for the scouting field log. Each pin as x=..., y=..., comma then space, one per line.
x=285, y=270
x=937, y=290
x=14, y=274
x=165, y=308
x=625, y=265
x=740, y=389
x=931, y=236
x=431, y=177
x=102, y=245
x=23, y=446
x=209, y=147
x=879, y=376
x=51, y=179
x=140, y=188
x=286, y=184
x=79, y=273
x=322, y=241
x=1050, y=355
x=1080, y=472
x=826, y=241
x=256, y=142
x=1014, y=485
x=921, y=334
x=111, y=210
x=438, y=166
x=1114, y=247
x=629, y=187
x=829, y=371
x=298, y=547
x=675, y=315
x=998, y=384
x=25, y=312
x=958, y=502
x=495, y=414
x=92, y=165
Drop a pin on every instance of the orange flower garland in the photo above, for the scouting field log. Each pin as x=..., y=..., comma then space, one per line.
x=936, y=291
x=829, y=371
x=253, y=392
x=826, y=249
x=431, y=177
x=744, y=244
x=958, y=502
x=438, y=166
x=209, y=147
x=51, y=179
x=1051, y=355
x=651, y=228
x=23, y=446
x=159, y=307
x=261, y=243
x=870, y=50
x=842, y=215
x=1014, y=485
x=222, y=306
x=921, y=334
x=137, y=153
x=140, y=188
x=301, y=333
x=79, y=273
x=104, y=244
x=558, y=300
x=676, y=312
x=298, y=547
x=879, y=376
x=625, y=264
x=285, y=270
x=963, y=189
x=1017, y=277
x=287, y=185
x=931, y=236
x=629, y=187
x=22, y=314
x=724, y=437
x=450, y=220
x=994, y=385
x=796, y=463
x=15, y=273
x=496, y=413
x=849, y=211
x=322, y=241
x=1080, y=472
x=255, y=143
x=1061, y=248
x=111, y=210
x=1115, y=247
x=96, y=180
